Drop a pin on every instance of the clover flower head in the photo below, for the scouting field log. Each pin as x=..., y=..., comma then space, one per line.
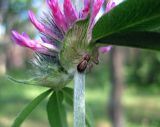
x=64, y=41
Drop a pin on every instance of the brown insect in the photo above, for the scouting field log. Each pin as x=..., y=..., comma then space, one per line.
x=85, y=62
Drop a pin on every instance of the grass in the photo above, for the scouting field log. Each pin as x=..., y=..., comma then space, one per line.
x=140, y=110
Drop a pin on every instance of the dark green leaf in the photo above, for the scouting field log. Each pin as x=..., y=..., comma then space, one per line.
x=146, y=40
x=68, y=95
x=131, y=16
x=29, y=108
x=56, y=111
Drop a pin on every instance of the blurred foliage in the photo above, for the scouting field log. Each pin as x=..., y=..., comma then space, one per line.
x=139, y=109
x=14, y=15
x=143, y=71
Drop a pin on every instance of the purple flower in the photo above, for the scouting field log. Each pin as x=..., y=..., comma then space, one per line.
x=111, y=4
x=65, y=35
x=62, y=20
x=36, y=45
x=105, y=49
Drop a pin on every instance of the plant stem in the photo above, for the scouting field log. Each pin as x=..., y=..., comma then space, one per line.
x=79, y=99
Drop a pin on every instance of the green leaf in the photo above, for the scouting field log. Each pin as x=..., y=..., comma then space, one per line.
x=145, y=40
x=29, y=108
x=56, y=111
x=131, y=16
x=68, y=95
x=89, y=117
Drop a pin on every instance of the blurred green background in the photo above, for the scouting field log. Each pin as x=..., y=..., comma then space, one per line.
x=125, y=83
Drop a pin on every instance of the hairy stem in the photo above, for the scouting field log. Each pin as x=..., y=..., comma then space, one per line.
x=79, y=99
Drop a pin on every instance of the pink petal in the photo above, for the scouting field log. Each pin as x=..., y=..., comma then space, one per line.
x=105, y=49
x=35, y=22
x=26, y=42
x=41, y=27
x=70, y=12
x=111, y=4
x=95, y=9
x=59, y=18
x=25, y=35
x=86, y=9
